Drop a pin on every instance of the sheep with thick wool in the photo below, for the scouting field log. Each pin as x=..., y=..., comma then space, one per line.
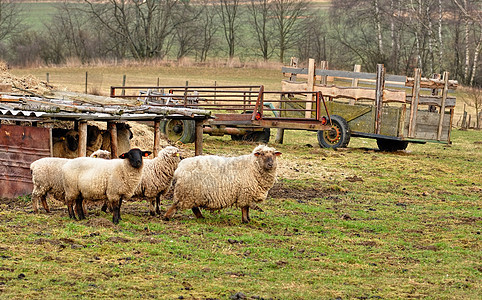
x=157, y=176
x=96, y=179
x=47, y=179
x=215, y=182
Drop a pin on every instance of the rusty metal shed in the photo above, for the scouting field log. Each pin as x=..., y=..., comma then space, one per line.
x=26, y=128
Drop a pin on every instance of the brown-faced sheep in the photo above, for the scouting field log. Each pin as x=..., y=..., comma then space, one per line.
x=215, y=182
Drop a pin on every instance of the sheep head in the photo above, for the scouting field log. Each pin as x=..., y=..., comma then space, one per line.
x=135, y=157
x=266, y=157
x=72, y=138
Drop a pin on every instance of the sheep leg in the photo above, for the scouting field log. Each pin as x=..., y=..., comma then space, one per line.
x=158, y=203
x=170, y=212
x=116, y=211
x=79, y=208
x=151, y=207
x=197, y=212
x=43, y=199
x=104, y=207
x=70, y=206
x=245, y=214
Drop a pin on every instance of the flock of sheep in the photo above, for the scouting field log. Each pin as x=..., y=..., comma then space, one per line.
x=208, y=182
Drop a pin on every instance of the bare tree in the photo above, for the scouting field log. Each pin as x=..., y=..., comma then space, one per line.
x=10, y=18
x=143, y=25
x=474, y=99
x=229, y=13
x=187, y=30
x=207, y=28
x=261, y=21
x=287, y=14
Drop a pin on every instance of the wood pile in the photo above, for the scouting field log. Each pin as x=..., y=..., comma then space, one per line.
x=10, y=82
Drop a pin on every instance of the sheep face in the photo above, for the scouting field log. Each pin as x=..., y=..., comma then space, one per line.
x=72, y=138
x=135, y=157
x=266, y=157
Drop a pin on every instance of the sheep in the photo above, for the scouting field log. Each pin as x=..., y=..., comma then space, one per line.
x=101, y=179
x=124, y=135
x=65, y=143
x=94, y=139
x=157, y=176
x=216, y=182
x=46, y=178
x=101, y=154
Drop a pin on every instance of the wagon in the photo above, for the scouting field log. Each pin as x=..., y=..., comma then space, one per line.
x=391, y=117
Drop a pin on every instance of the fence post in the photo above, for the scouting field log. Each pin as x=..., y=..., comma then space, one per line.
x=310, y=87
x=412, y=122
x=354, y=82
x=86, y=76
x=442, y=105
x=379, y=97
x=123, y=84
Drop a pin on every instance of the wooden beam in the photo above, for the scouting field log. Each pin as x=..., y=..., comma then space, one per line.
x=310, y=86
x=412, y=122
x=198, y=143
x=157, y=137
x=442, y=107
x=111, y=126
x=380, y=86
x=82, y=150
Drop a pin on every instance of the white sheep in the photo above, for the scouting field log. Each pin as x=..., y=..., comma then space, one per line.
x=101, y=154
x=47, y=180
x=215, y=182
x=157, y=176
x=100, y=179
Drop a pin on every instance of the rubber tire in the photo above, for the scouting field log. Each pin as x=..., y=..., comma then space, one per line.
x=253, y=136
x=337, y=137
x=183, y=131
x=391, y=145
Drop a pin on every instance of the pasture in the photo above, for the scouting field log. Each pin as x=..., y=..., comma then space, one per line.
x=352, y=223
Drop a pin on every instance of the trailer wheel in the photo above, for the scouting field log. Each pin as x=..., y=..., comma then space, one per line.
x=253, y=136
x=183, y=131
x=391, y=145
x=337, y=137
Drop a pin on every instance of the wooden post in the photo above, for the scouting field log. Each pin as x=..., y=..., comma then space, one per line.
x=157, y=137
x=310, y=87
x=324, y=66
x=442, y=105
x=294, y=64
x=82, y=150
x=123, y=85
x=380, y=85
x=412, y=122
x=354, y=82
x=86, y=76
x=433, y=108
x=198, y=143
x=111, y=126
x=48, y=77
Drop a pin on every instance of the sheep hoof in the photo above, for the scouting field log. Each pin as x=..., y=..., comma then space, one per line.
x=153, y=214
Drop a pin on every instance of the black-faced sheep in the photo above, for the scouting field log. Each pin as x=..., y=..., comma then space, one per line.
x=65, y=143
x=124, y=136
x=157, y=176
x=215, y=182
x=100, y=179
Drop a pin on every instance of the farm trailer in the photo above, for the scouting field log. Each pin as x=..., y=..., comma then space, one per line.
x=391, y=116
x=244, y=112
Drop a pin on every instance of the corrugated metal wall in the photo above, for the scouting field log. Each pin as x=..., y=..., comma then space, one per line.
x=19, y=147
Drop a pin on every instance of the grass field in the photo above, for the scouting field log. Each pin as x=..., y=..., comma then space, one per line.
x=355, y=223
x=349, y=224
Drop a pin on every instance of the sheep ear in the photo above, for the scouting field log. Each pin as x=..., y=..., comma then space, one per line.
x=277, y=153
x=146, y=153
x=123, y=155
x=257, y=154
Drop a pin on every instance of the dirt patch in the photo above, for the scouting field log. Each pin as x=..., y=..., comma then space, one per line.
x=100, y=222
x=281, y=191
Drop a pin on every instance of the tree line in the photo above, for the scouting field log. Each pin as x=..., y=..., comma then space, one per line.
x=433, y=35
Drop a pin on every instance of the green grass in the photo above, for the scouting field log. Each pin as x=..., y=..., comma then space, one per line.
x=409, y=229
